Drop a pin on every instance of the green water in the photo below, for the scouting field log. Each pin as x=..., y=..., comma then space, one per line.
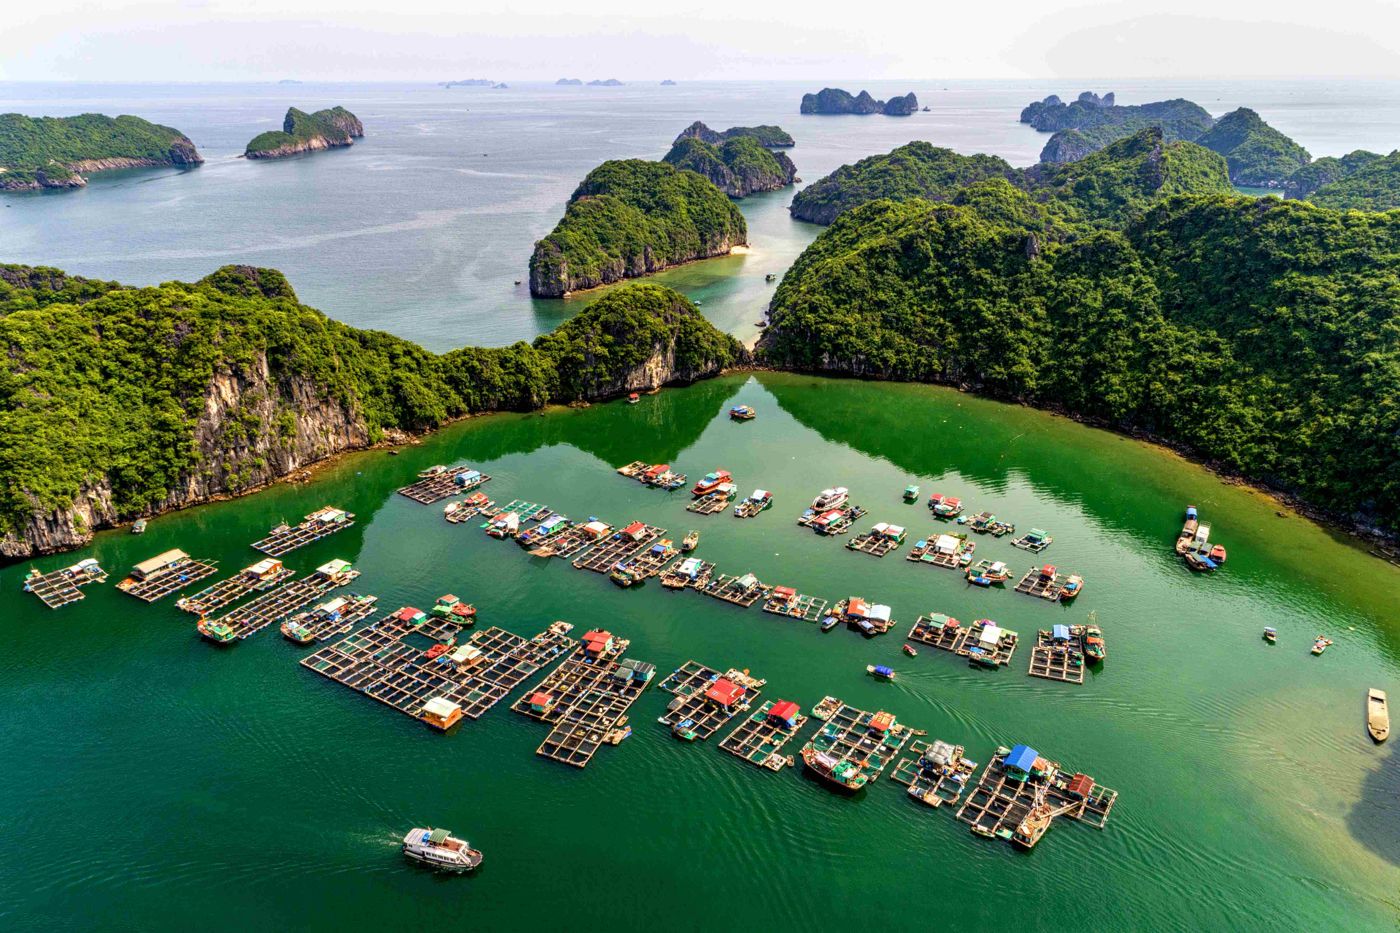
x=152, y=781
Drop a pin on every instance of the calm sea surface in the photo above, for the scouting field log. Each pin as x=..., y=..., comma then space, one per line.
x=151, y=781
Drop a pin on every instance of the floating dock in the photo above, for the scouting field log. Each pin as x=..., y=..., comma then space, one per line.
x=1035, y=541
x=741, y=591
x=1058, y=654
x=446, y=682
x=785, y=601
x=951, y=552
x=754, y=505
x=157, y=578
x=574, y=541
x=988, y=644
x=705, y=699
x=443, y=483
x=321, y=523
x=1018, y=783
x=760, y=736
x=824, y=523
x=61, y=587
x=854, y=746
x=936, y=773
x=586, y=701
x=333, y=617
x=825, y=707
x=939, y=631
x=688, y=572
x=879, y=540
x=526, y=511
x=619, y=547
x=1041, y=582
x=260, y=577
x=870, y=619
x=649, y=562
x=633, y=469
x=712, y=503
x=278, y=604
x=470, y=507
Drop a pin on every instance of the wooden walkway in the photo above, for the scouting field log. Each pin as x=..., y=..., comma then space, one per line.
x=1058, y=660
x=177, y=577
x=930, y=783
x=441, y=485
x=847, y=736
x=673, y=579
x=229, y=591
x=688, y=684
x=602, y=558
x=760, y=741
x=61, y=587
x=319, y=524
x=318, y=624
x=381, y=663
x=742, y=591
x=470, y=508
x=649, y=562
x=711, y=503
x=940, y=631
x=800, y=606
x=1000, y=802
x=280, y=603
x=1035, y=583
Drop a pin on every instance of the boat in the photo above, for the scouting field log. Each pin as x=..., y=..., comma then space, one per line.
x=760, y=500
x=829, y=499
x=440, y=849
x=988, y=573
x=1217, y=553
x=685, y=730
x=1188, y=530
x=911, y=493
x=138, y=526
x=711, y=482
x=742, y=413
x=1321, y=644
x=1094, y=648
x=880, y=671
x=633, y=398
x=624, y=576
x=1270, y=635
x=844, y=774
x=1200, y=563
x=432, y=471
x=910, y=650
x=1071, y=588
x=691, y=539
x=218, y=632
x=1377, y=714
x=979, y=656
x=504, y=526
x=829, y=623
x=770, y=277
x=451, y=507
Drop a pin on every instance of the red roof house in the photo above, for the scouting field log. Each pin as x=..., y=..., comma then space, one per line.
x=725, y=692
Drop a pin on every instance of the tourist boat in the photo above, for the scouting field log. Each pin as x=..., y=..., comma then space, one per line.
x=909, y=650
x=911, y=493
x=432, y=471
x=1320, y=644
x=880, y=671
x=829, y=623
x=691, y=539
x=633, y=399
x=711, y=482
x=945, y=506
x=742, y=413
x=685, y=730
x=220, y=633
x=440, y=849
x=1071, y=588
x=1094, y=648
x=1377, y=714
x=138, y=526
x=829, y=499
x=1270, y=635
x=843, y=774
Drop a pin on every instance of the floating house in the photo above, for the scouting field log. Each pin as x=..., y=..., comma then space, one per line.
x=411, y=615
x=785, y=713
x=725, y=693
x=161, y=563
x=441, y=713
x=1022, y=762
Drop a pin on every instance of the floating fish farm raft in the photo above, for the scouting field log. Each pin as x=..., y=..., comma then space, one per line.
x=741, y=591
x=676, y=578
x=754, y=505
x=760, y=736
x=469, y=508
x=838, y=525
x=1035, y=541
x=705, y=699
x=936, y=773
x=174, y=573
x=854, y=746
x=61, y=587
x=525, y=511
x=785, y=601
x=276, y=605
x=649, y=562
x=411, y=661
x=319, y=524
x=619, y=547
x=1020, y=794
x=712, y=503
x=1040, y=583
x=444, y=483
x=333, y=617
x=633, y=469
x=1057, y=655
x=951, y=552
x=574, y=540
x=878, y=541
x=940, y=631
x=259, y=578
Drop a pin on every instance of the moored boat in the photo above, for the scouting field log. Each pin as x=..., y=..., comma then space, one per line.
x=710, y=482
x=742, y=413
x=1072, y=587
x=440, y=849
x=1320, y=644
x=829, y=499
x=138, y=526
x=844, y=774
x=633, y=398
x=1094, y=648
x=829, y=623
x=691, y=539
x=910, y=650
x=1377, y=714
x=911, y=493
x=685, y=730
x=1270, y=635
x=945, y=506
x=218, y=632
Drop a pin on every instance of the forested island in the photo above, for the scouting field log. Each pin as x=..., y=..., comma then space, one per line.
x=739, y=166
x=833, y=100
x=56, y=152
x=774, y=137
x=608, y=82
x=629, y=218
x=1261, y=335
x=121, y=401
x=307, y=132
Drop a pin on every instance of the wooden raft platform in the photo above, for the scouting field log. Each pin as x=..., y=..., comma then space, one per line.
x=712, y=503
x=527, y=511
x=280, y=603
x=586, y=725
x=319, y=524
x=649, y=562
x=176, y=578
x=633, y=469
x=320, y=626
x=1058, y=660
x=617, y=548
x=468, y=509
x=61, y=587
x=798, y=606
x=673, y=579
x=1000, y=801
x=378, y=662
x=935, y=629
x=1036, y=583
x=847, y=736
x=929, y=555
x=430, y=489
x=872, y=544
x=760, y=740
x=742, y=591
x=229, y=591
x=992, y=655
x=689, y=683
x=932, y=784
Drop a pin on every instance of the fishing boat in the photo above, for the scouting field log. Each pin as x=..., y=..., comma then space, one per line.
x=981, y=657
x=138, y=526
x=829, y=623
x=844, y=774
x=685, y=730
x=432, y=471
x=829, y=499
x=770, y=277
x=1188, y=530
x=910, y=650
x=440, y=849
x=296, y=631
x=1321, y=644
x=1270, y=635
x=1094, y=648
x=1200, y=563
x=220, y=633
x=742, y=413
x=633, y=398
x=710, y=482
x=504, y=526
x=1377, y=714
x=880, y=671
x=1217, y=553
x=1071, y=588
x=691, y=539
x=624, y=576
x=988, y=573
x=911, y=493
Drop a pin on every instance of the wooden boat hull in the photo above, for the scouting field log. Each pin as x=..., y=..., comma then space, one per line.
x=1377, y=715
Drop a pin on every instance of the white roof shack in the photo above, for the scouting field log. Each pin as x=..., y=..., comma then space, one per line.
x=946, y=544
x=991, y=634
x=878, y=613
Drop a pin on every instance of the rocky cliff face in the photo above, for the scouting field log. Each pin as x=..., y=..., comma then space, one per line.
x=302, y=132
x=901, y=106
x=834, y=100
x=552, y=277
x=70, y=175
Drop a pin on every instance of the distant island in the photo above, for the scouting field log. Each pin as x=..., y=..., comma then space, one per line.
x=833, y=100
x=56, y=152
x=770, y=136
x=610, y=82
x=289, y=81
x=474, y=82
x=629, y=218
x=306, y=132
x=570, y=82
x=739, y=166
x=668, y=83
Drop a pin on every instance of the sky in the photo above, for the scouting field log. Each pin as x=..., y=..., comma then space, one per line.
x=523, y=40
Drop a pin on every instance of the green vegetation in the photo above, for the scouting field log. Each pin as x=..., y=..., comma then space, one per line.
x=768, y=135
x=1374, y=185
x=1093, y=123
x=629, y=218
x=1258, y=154
x=916, y=170
x=51, y=151
x=106, y=385
x=1324, y=171
x=740, y=166
x=302, y=132
x=1261, y=334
